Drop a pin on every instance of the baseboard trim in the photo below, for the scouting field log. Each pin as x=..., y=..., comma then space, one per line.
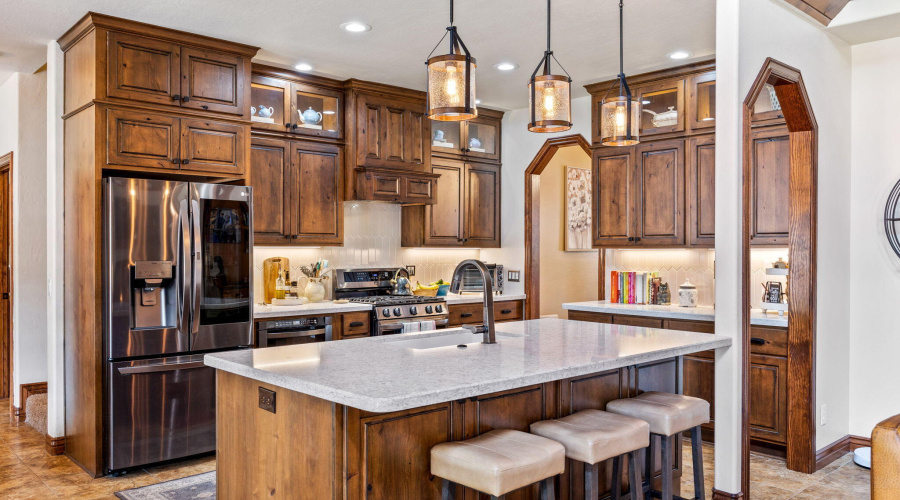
x=17, y=414
x=54, y=445
x=721, y=495
x=840, y=448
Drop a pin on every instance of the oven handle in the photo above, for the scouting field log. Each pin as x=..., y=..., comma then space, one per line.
x=297, y=333
x=398, y=326
x=135, y=370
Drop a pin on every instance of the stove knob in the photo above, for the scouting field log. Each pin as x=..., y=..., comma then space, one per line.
x=429, y=309
x=413, y=310
x=397, y=311
x=439, y=308
x=386, y=312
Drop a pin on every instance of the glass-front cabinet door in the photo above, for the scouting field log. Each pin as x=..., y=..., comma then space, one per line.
x=662, y=107
x=316, y=111
x=767, y=106
x=270, y=103
x=483, y=138
x=447, y=137
x=703, y=101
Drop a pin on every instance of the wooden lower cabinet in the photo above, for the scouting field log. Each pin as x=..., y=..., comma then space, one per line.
x=473, y=313
x=354, y=325
x=768, y=398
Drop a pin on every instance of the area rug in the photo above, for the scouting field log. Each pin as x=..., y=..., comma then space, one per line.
x=187, y=488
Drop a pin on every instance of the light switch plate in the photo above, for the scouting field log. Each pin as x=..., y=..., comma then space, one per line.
x=513, y=276
x=411, y=270
x=267, y=399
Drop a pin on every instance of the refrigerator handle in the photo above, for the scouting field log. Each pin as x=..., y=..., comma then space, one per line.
x=184, y=323
x=198, y=263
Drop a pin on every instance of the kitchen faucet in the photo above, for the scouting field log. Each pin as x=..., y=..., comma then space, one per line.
x=490, y=336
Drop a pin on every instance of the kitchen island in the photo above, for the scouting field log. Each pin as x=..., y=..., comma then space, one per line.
x=356, y=419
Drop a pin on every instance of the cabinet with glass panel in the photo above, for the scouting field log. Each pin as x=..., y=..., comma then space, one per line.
x=295, y=103
x=478, y=138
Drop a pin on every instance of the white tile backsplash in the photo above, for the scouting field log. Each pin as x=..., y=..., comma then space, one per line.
x=371, y=239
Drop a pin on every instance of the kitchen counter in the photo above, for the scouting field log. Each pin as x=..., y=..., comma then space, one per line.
x=327, y=307
x=373, y=375
x=757, y=317
x=472, y=298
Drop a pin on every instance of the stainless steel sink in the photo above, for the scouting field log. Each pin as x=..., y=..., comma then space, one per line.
x=450, y=339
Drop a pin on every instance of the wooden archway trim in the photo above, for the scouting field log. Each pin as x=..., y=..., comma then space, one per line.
x=801, y=376
x=533, y=220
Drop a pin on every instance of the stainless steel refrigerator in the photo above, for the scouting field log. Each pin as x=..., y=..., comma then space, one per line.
x=178, y=282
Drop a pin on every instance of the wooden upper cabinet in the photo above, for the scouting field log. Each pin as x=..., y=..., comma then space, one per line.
x=477, y=139
x=270, y=176
x=482, y=205
x=702, y=102
x=218, y=147
x=270, y=103
x=660, y=205
x=701, y=190
x=663, y=107
x=141, y=139
x=444, y=221
x=147, y=69
x=391, y=133
x=212, y=81
x=613, y=187
x=143, y=69
x=770, y=155
x=294, y=103
x=318, y=208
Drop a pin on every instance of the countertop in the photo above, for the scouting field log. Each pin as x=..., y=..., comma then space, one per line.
x=757, y=317
x=373, y=375
x=327, y=307
x=472, y=298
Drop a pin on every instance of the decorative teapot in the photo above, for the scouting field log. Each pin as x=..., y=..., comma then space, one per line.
x=253, y=110
x=474, y=143
x=265, y=112
x=439, y=135
x=310, y=116
x=401, y=284
x=664, y=119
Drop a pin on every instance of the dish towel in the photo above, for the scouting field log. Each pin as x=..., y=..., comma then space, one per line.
x=410, y=327
x=427, y=325
x=419, y=326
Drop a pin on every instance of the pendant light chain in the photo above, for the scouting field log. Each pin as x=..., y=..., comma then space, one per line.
x=621, y=41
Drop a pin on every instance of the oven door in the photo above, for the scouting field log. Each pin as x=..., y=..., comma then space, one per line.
x=395, y=327
x=292, y=337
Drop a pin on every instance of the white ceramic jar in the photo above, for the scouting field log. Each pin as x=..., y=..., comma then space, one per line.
x=688, y=294
x=315, y=290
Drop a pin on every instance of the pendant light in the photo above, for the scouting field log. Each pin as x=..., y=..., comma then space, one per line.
x=620, y=116
x=549, y=96
x=451, y=80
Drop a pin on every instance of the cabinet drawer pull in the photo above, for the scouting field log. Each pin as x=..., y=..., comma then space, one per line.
x=465, y=315
x=506, y=311
x=356, y=324
x=757, y=341
x=204, y=106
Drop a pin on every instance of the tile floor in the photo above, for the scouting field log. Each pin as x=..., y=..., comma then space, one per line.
x=771, y=480
x=27, y=472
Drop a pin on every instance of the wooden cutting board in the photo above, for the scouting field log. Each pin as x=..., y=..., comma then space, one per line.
x=271, y=269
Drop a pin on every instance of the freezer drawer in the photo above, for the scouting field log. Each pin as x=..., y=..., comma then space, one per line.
x=160, y=409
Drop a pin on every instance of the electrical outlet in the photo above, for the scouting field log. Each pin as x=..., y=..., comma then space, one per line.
x=513, y=276
x=411, y=270
x=823, y=415
x=267, y=399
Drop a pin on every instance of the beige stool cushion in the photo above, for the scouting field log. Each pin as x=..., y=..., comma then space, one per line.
x=592, y=436
x=499, y=461
x=667, y=414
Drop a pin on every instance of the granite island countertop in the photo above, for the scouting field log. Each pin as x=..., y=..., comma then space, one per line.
x=373, y=375
x=325, y=307
x=703, y=313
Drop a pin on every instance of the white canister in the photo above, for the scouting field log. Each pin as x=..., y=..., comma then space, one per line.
x=688, y=294
x=315, y=289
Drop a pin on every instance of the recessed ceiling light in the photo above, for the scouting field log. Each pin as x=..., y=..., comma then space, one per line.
x=506, y=66
x=304, y=67
x=356, y=27
x=679, y=54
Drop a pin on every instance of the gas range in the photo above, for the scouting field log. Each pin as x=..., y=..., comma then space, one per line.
x=404, y=306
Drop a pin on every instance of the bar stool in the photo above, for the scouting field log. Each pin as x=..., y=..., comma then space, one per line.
x=668, y=415
x=498, y=462
x=593, y=436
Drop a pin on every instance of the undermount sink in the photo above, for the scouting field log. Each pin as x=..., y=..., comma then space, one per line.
x=451, y=339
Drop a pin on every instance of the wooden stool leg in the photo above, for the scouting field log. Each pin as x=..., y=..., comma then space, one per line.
x=648, y=465
x=548, y=489
x=616, y=487
x=634, y=476
x=697, y=453
x=591, y=481
x=448, y=490
x=666, y=451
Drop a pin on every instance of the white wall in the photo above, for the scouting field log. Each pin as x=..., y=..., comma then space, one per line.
x=565, y=276
x=23, y=104
x=874, y=270
x=519, y=148
x=771, y=28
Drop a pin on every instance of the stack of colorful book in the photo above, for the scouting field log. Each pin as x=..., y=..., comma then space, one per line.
x=630, y=287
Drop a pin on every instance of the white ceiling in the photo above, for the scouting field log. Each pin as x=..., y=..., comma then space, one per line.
x=585, y=35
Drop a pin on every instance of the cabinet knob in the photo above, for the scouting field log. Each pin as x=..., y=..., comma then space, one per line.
x=287, y=125
x=185, y=161
x=186, y=98
x=176, y=97
x=631, y=238
x=176, y=161
x=204, y=106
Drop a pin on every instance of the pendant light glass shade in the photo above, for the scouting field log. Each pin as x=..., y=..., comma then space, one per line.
x=614, y=122
x=451, y=81
x=620, y=116
x=448, y=79
x=549, y=96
